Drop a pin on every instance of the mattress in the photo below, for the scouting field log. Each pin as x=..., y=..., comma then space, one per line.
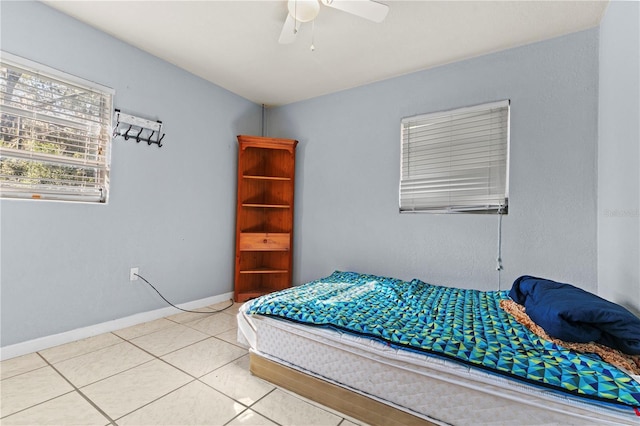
x=435, y=389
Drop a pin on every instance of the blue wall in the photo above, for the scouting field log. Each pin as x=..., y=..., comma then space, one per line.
x=171, y=210
x=349, y=166
x=64, y=266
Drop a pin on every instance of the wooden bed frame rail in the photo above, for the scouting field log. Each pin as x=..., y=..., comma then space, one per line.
x=333, y=396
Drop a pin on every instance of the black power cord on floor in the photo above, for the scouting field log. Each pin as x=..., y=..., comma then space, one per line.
x=214, y=311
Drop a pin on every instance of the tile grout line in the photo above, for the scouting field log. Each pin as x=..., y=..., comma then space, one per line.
x=192, y=328
x=236, y=416
x=36, y=404
x=4, y=418
x=315, y=404
x=114, y=374
x=82, y=354
x=225, y=341
x=151, y=402
x=75, y=388
x=259, y=413
x=155, y=357
x=219, y=311
x=23, y=372
x=195, y=379
x=208, y=336
x=170, y=352
x=159, y=357
x=342, y=419
x=161, y=360
x=220, y=392
x=86, y=398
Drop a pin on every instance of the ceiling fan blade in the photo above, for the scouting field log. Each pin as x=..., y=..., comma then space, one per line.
x=288, y=34
x=367, y=9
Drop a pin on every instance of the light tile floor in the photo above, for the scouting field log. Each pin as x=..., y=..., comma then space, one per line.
x=186, y=369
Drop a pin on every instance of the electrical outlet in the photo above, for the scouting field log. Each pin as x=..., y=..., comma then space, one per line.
x=132, y=274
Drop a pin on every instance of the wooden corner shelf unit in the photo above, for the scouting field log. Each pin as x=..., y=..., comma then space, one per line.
x=264, y=216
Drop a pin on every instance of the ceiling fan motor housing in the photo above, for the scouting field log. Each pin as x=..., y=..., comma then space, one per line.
x=303, y=10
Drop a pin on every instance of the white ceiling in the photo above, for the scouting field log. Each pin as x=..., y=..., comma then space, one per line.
x=234, y=44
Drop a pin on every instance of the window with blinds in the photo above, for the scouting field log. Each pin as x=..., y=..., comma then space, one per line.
x=456, y=161
x=55, y=134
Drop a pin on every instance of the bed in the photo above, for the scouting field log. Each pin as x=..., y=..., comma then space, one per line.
x=392, y=352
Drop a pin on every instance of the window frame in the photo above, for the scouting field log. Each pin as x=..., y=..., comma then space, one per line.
x=412, y=184
x=91, y=145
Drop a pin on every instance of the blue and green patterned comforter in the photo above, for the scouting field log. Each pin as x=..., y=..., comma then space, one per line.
x=460, y=324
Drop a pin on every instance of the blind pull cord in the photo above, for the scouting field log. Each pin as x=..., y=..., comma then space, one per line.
x=499, y=267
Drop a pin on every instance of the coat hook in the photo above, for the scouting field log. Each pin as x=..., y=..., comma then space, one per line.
x=126, y=135
x=147, y=127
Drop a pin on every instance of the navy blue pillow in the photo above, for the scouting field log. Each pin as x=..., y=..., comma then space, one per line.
x=574, y=315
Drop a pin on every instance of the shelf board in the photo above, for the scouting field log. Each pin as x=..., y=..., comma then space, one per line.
x=266, y=206
x=243, y=296
x=263, y=230
x=264, y=216
x=264, y=270
x=257, y=177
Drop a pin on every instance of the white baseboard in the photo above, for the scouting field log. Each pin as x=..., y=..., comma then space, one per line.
x=23, y=348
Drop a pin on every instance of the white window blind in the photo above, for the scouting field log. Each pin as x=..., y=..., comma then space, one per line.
x=456, y=161
x=55, y=134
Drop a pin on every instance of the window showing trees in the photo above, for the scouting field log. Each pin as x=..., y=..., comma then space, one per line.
x=55, y=134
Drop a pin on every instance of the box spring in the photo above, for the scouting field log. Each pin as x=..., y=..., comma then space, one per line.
x=429, y=390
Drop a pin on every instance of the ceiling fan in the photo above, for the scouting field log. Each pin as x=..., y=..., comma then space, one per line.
x=301, y=11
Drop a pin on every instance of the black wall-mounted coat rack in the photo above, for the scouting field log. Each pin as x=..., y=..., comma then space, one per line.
x=142, y=130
